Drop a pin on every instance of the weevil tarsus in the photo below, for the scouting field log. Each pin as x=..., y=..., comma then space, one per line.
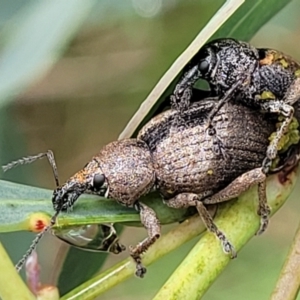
x=183, y=200
x=152, y=225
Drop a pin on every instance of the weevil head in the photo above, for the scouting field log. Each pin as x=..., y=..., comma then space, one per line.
x=88, y=180
x=122, y=170
x=223, y=62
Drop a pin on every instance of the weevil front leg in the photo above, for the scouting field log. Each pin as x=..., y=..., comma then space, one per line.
x=151, y=223
x=242, y=184
x=180, y=99
x=287, y=111
x=210, y=127
x=185, y=200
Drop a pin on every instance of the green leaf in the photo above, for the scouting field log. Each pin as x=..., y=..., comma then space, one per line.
x=23, y=206
x=19, y=204
x=11, y=284
x=249, y=18
x=45, y=28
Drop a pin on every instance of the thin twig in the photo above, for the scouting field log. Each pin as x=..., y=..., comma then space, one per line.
x=289, y=280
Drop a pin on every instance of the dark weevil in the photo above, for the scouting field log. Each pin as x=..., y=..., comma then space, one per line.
x=180, y=162
x=264, y=79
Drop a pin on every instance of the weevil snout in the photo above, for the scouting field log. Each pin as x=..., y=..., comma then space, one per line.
x=65, y=196
x=90, y=180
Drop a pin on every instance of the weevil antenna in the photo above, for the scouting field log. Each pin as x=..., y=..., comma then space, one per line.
x=35, y=242
x=29, y=159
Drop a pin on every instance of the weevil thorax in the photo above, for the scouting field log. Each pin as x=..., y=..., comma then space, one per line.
x=128, y=169
x=122, y=170
x=262, y=73
x=222, y=63
x=233, y=61
x=277, y=73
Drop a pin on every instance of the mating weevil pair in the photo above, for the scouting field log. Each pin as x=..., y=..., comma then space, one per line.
x=180, y=162
x=263, y=79
x=179, y=159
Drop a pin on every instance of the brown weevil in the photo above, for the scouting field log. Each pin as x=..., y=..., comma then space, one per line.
x=122, y=170
x=263, y=79
x=180, y=162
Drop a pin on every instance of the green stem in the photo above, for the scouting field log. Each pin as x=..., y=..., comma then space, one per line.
x=11, y=284
x=288, y=283
x=238, y=219
x=206, y=260
x=125, y=269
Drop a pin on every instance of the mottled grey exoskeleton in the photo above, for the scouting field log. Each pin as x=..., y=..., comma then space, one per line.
x=263, y=79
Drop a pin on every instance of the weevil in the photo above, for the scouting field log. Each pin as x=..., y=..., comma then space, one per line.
x=180, y=162
x=264, y=79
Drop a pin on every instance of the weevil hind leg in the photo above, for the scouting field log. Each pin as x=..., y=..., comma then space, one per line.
x=264, y=209
x=151, y=223
x=242, y=184
x=285, y=110
x=184, y=200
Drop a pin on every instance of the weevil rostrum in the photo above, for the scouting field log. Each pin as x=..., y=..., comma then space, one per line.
x=181, y=163
x=264, y=79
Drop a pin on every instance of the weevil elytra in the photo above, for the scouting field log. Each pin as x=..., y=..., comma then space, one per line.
x=181, y=163
x=264, y=79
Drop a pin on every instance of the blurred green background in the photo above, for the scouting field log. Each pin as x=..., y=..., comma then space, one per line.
x=72, y=75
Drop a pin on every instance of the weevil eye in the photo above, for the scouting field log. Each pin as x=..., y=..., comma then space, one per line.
x=203, y=66
x=98, y=181
x=206, y=60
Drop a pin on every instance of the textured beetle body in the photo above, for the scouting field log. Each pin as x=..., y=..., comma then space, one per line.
x=225, y=62
x=183, y=164
x=185, y=161
x=263, y=79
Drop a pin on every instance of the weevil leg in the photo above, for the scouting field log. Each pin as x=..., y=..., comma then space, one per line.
x=242, y=184
x=264, y=209
x=221, y=102
x=180, y=100
x=287, y=111
x=236, y=187
x=293, y=93
x=184, y=200
x=151, y=223
x=218, y=144
x=181, y=103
